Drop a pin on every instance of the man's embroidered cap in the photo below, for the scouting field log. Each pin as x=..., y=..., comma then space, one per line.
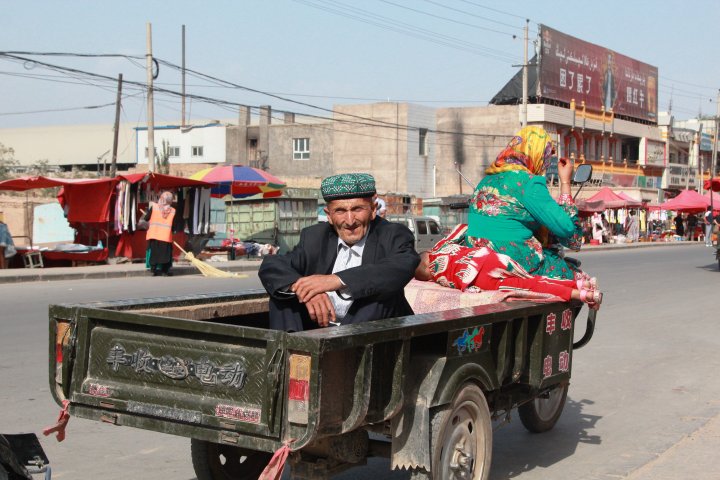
x=348, y=185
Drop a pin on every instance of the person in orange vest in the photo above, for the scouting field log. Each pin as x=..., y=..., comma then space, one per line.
x=160, y=217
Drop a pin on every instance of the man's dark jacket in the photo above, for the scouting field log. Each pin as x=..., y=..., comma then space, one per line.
x=388, y=264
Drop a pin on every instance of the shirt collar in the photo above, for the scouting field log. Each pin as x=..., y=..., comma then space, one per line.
x=357, y=247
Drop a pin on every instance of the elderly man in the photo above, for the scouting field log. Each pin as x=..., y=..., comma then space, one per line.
x=351, y=269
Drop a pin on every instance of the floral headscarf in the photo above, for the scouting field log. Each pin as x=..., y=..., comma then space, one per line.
x=530, y=149
x=165, y=203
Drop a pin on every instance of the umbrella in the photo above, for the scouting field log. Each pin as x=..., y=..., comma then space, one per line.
x=712, y=184
x=240, y=181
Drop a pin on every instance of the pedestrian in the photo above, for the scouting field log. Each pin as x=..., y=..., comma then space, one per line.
x=691, y=226
x=7, y=246
x=632, y=227
x=352, y=268
x=708, y=221
x=160, y=217
x=512, y=211
x=679, y=226
x=598, y=229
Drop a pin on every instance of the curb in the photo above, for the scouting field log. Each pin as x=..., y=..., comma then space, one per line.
x=630, y=246
x=177, y=270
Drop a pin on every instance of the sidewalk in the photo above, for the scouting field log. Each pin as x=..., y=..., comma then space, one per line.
x=14, y=275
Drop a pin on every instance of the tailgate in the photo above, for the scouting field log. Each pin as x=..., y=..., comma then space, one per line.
x=178, y=374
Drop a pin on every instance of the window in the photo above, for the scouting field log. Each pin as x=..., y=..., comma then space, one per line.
x=146, y=152
x=422, y=227
x=174, y=151
x=422, y=140
x=434, y=227
x=301, y=148
x=197, y=151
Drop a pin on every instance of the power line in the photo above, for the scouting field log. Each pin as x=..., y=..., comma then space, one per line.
x=89, y=107
x=464, y=12
x=405, y=29
x=446, y=18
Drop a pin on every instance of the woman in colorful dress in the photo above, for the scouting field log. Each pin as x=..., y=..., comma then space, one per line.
x=452, y=264
x=512, y=210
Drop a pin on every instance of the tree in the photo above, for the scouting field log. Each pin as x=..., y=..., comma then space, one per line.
x=162, y=161
x=7, y=161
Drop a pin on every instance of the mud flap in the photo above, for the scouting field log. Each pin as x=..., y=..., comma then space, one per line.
x=411, y=427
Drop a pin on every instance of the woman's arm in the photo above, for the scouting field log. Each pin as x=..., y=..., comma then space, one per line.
x=559, y=217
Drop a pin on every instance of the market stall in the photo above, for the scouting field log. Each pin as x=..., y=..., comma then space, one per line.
x=105, y=214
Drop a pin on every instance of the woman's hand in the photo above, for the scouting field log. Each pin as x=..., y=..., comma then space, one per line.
x=565, y=173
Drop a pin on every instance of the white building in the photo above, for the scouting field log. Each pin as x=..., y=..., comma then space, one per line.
x=186, y=145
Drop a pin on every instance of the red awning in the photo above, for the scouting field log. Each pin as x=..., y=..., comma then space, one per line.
x=29, y=183
x=159, y=181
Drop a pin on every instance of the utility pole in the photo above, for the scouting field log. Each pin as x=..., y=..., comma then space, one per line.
x=523, y=111
x=183, y=77
x=715, y=147
x=116, y=130
x=698, y=159
x=150, y=109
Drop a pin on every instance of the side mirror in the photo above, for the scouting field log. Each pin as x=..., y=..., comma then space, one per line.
x=582, y=173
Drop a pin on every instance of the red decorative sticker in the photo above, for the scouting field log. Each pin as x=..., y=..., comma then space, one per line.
x=547, y=366
x=566, y=323
x=564, y=361
x=550, y=325
x=241, y=414
x=97, y=390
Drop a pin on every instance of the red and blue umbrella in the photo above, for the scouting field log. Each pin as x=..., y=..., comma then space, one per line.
x=240, y=181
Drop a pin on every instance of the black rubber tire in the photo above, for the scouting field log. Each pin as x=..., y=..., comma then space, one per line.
x=462, y=429
x=541, y=414
x=213, y=461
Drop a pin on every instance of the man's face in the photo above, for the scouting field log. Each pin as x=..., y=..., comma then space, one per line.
x=351, y=217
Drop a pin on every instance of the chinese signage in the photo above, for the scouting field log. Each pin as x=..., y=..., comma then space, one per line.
x=572, y=69
x=652, y=152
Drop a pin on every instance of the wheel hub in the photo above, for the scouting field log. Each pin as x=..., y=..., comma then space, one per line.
x=461, y=463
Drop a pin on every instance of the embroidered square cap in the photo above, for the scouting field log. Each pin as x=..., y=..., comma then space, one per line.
x=348, y=185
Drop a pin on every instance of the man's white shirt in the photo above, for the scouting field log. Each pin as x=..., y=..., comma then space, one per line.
x=347, y=257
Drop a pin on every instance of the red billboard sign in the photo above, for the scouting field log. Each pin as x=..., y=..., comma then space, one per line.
x=571, y=68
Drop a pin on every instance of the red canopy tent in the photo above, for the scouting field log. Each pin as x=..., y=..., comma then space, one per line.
x=590, y=207
x=609, y=198
x=688, y=201
x=631, y=202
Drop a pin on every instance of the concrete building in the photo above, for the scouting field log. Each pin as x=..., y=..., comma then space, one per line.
x=84, y=147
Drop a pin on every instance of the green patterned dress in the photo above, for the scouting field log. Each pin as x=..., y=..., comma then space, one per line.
x=508, y=210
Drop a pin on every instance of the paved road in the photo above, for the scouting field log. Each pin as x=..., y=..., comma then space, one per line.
x=643, y=403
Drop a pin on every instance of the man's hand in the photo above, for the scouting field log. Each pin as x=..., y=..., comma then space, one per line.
x=321, y=309
x=308, y=287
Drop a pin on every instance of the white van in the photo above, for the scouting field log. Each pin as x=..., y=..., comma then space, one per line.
x=427, y=230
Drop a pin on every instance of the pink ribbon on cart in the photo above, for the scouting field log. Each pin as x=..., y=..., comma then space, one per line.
x=61, y=423
x=276, y=465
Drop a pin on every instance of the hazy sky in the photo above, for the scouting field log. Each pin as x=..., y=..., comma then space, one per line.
x=325, y=52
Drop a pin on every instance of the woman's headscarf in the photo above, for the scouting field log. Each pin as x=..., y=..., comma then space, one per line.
x=530, y=149
x=165, y=203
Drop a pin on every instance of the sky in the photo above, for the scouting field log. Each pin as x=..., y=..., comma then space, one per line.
x=305, y=56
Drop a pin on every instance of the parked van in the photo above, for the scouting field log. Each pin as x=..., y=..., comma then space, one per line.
x=427, y=230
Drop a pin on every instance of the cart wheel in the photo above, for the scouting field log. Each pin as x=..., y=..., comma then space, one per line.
x=541, y=414
x=461, y=438
x=213, y=461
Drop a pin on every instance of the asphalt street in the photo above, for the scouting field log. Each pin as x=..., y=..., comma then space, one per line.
x=643, y=402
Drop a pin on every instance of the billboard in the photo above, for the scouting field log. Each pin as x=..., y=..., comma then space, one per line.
x=571, y=68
